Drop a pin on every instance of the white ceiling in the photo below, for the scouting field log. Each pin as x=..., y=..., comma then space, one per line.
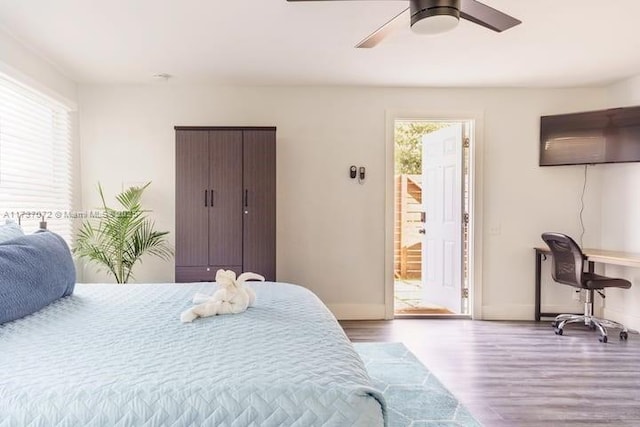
x=273, y=42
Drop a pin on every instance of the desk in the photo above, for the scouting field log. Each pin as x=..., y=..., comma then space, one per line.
x=601, y=256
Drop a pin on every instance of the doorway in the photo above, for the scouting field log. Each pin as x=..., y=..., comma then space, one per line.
x=431, y=256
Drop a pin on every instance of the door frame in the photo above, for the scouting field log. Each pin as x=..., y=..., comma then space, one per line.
x=475, y=200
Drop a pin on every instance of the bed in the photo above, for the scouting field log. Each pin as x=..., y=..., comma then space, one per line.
x=118, y=355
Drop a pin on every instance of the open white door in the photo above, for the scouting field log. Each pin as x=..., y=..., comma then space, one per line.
x=442, y=204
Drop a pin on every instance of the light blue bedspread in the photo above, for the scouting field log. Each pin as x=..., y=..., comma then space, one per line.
x=118, y=355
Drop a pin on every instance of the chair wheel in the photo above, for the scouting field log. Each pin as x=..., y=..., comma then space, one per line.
x=558, y=331
x=554, y=324
x=603, y=339
x=624, y=336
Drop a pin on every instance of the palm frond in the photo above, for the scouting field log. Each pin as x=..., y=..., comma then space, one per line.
x=130, y=198
x=121, y=238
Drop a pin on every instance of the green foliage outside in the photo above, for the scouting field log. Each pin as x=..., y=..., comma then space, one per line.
x=408, y=140
x=120, y=237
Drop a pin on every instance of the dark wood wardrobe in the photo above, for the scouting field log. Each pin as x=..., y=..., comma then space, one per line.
x=225, y=201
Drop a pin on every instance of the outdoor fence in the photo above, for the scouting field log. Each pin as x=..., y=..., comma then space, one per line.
x=408, y=241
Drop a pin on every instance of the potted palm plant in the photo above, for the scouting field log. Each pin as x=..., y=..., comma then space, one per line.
x=119, y=238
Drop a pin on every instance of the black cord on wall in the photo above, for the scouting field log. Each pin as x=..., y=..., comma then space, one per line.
x=584, y=188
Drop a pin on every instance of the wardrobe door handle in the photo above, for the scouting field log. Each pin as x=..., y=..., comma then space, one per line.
x=246, y=198
x=206, y=204
x=211, y=198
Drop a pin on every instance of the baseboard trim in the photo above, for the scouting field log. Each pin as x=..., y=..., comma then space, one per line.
x=489, y=312
x=568, y=308
x=507, y=312
x=524, y=311
x=358, y=311
x=630, y=321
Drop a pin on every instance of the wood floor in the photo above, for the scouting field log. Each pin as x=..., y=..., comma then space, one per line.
x=422, y=311
x=521, y=374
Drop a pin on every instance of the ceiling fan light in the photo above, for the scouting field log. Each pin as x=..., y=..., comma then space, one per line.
x=436, y=24
x=434, y=16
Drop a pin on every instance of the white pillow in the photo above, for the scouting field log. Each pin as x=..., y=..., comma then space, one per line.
x=10, y=231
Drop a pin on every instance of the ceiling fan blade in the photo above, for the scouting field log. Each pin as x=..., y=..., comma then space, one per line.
x=399, y=21
x=481, y=14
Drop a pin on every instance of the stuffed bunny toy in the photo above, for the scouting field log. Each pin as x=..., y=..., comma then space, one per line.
x=232, y=297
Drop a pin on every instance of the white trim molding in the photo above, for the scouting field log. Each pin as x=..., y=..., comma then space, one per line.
x=631, y=321
x=475, y=200
x=526, y=311
x=509, y=312
x=358, y=311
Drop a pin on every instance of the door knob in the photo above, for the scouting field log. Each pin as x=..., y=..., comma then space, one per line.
x=422, y=231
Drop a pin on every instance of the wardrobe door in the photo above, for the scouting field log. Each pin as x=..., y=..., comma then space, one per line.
x=259, y=204
x=225, y=214
x=192, y=199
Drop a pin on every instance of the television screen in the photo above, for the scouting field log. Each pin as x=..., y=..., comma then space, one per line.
x=606, y=136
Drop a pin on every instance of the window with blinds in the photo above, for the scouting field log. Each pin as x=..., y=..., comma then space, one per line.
x=35, y=160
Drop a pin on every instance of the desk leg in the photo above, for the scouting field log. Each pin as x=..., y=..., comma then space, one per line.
x=538, y=285
x=591, y=268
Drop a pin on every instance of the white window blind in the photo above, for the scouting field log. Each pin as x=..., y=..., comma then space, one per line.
x=35, y=159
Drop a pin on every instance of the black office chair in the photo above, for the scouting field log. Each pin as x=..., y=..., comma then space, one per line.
x=568, y=268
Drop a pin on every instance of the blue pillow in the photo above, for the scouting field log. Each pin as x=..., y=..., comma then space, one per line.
x=10, y=231
x=35, y=270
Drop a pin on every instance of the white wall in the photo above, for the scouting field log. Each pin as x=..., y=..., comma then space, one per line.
x=620, y=213
x=330, y=234
x=32, y=69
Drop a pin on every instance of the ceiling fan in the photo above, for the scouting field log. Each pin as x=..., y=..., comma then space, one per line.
x=438, y=16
